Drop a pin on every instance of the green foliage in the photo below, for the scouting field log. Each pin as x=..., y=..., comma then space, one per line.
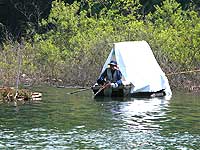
x=125, y=8
x=79, y=39
x=78, y=45
x=176, y=31
x=15, y=56
x=8, y=63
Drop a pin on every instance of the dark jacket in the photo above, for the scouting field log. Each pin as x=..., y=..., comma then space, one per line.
x=113, y=76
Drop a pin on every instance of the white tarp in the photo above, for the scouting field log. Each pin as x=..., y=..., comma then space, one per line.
x=138, y=66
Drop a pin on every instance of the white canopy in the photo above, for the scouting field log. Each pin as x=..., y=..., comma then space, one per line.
x=138, y=66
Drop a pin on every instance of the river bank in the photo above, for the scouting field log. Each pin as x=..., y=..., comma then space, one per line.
x=178, y=82
x=189, y=82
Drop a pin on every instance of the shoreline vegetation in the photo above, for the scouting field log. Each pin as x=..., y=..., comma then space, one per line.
x=73, y=44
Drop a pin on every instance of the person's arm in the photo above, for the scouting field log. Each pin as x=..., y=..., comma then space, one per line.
x=119, y=76
x=101, y=80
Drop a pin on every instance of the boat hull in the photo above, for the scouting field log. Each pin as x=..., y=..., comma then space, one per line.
x=125, y=91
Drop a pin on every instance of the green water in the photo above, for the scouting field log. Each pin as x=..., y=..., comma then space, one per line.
x=61, y=121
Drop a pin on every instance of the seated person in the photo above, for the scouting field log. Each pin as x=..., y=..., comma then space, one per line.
x=112, y=75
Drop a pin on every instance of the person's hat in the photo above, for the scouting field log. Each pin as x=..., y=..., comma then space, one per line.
x=114, y=63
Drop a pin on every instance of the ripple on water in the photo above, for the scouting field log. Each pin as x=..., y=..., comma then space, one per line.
x=82, y=123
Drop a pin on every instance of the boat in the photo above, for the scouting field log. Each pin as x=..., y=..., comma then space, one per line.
x=124, y=91
x=141, y=74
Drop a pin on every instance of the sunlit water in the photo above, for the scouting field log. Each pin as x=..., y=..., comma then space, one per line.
x=77, y=121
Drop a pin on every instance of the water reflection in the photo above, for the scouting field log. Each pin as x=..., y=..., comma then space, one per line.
x=140, y=114
x=155, y=123
x=63, y=121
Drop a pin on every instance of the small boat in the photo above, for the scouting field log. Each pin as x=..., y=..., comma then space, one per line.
x=124, y=91
x=120, y=91
x=141, y=73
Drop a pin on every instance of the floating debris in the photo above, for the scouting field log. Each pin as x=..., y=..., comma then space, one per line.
x=36, y=96
x=9, y=94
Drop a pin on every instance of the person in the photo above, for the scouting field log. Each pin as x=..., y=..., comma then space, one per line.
x=112, y=76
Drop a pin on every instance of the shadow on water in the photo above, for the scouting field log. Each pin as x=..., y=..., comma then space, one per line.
x=77, y=121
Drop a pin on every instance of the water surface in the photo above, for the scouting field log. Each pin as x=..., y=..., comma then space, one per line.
x=77, y=121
